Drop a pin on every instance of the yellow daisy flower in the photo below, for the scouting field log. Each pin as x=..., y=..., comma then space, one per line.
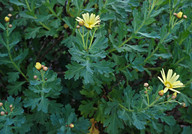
x=170, y=81
x=89, y=21
x=38, y=66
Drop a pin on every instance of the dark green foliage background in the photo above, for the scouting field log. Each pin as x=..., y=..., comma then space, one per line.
x=135, y=40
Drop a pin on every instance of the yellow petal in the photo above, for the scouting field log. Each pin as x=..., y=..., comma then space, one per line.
x=160, y=79
x=165, y=90
x=170, y=72
x=174, y=90
x=163, y=74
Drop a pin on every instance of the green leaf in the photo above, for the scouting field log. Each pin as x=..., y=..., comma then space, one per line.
x=16, y=2
x=137, y=122
x=103, y=67
x=3, y=55
x=87, y=108
x=152, y=35
x=13, y=76
x=112, y=123
x=80, y=70
x=15, y=87
x=31, y=32
x=2, y=27
x=56, y=23
x=164, y=56
x=186, y=130
x=43, y=105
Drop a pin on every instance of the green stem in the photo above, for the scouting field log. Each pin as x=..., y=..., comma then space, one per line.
x=147, y=95
x=142, y=24
x=126, y=109
x=82, y=36
x=92, y=38
x=148, y=57
x=87, y=39
x=10, y=56
x=27, y=3
x=28, y=7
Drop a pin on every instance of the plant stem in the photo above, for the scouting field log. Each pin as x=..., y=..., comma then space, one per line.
x=28, y=7
x=10, y=56
x=82, y=36
x=92, y=38
x=87, y=40
x=142, y=24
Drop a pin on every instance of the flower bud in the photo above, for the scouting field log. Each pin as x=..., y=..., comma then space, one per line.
x=168, y=96
x=10, y=26
x=38, y=66
x=146, y=84
x=45, y=68
x=175, y=14
x=66, y=26
x=1, y=104
x=174, y=95
x=71, y=125
x=9, y=15
x=81, y=23
x=42, y=66
x=148, y=88
x=45, y=79
x=161, y=92
x=183, y=104
x=77, y=26
x=7, y=19
x=179, y=15
x=2, y=113
x=185, y=16
x=35, y=77
x=6, y=113
x=145, y=92
x=10, y=106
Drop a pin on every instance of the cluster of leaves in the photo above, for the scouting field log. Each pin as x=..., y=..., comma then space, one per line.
x=134, y=41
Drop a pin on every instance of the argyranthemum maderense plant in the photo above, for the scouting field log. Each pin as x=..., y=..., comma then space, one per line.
x=171, y=81
x=89, y=21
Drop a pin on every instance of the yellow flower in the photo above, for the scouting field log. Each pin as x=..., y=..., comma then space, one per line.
x=170, y=81
x=89, y=21
x=7, y=19
x=179, y=15
x=38, y=66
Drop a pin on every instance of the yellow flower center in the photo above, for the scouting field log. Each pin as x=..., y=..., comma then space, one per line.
x=168, y=84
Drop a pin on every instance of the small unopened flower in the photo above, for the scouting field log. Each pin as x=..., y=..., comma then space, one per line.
x=35, y=77
x=161, y=92
x=45, y=68
x=10, y=26
x=175, y=14
x=185, y=16
x=1, y=104
x=38, y=66
x=2, y=113
x=89, y=21
x=10, y=15
x=7, y=19
x=10, y=106
x=170, y=82
x=71, y=125
x=174, y=95
x=179, y=15
x=66, y=26
x=183, y=104
x=77, y=26
x=146, y=84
